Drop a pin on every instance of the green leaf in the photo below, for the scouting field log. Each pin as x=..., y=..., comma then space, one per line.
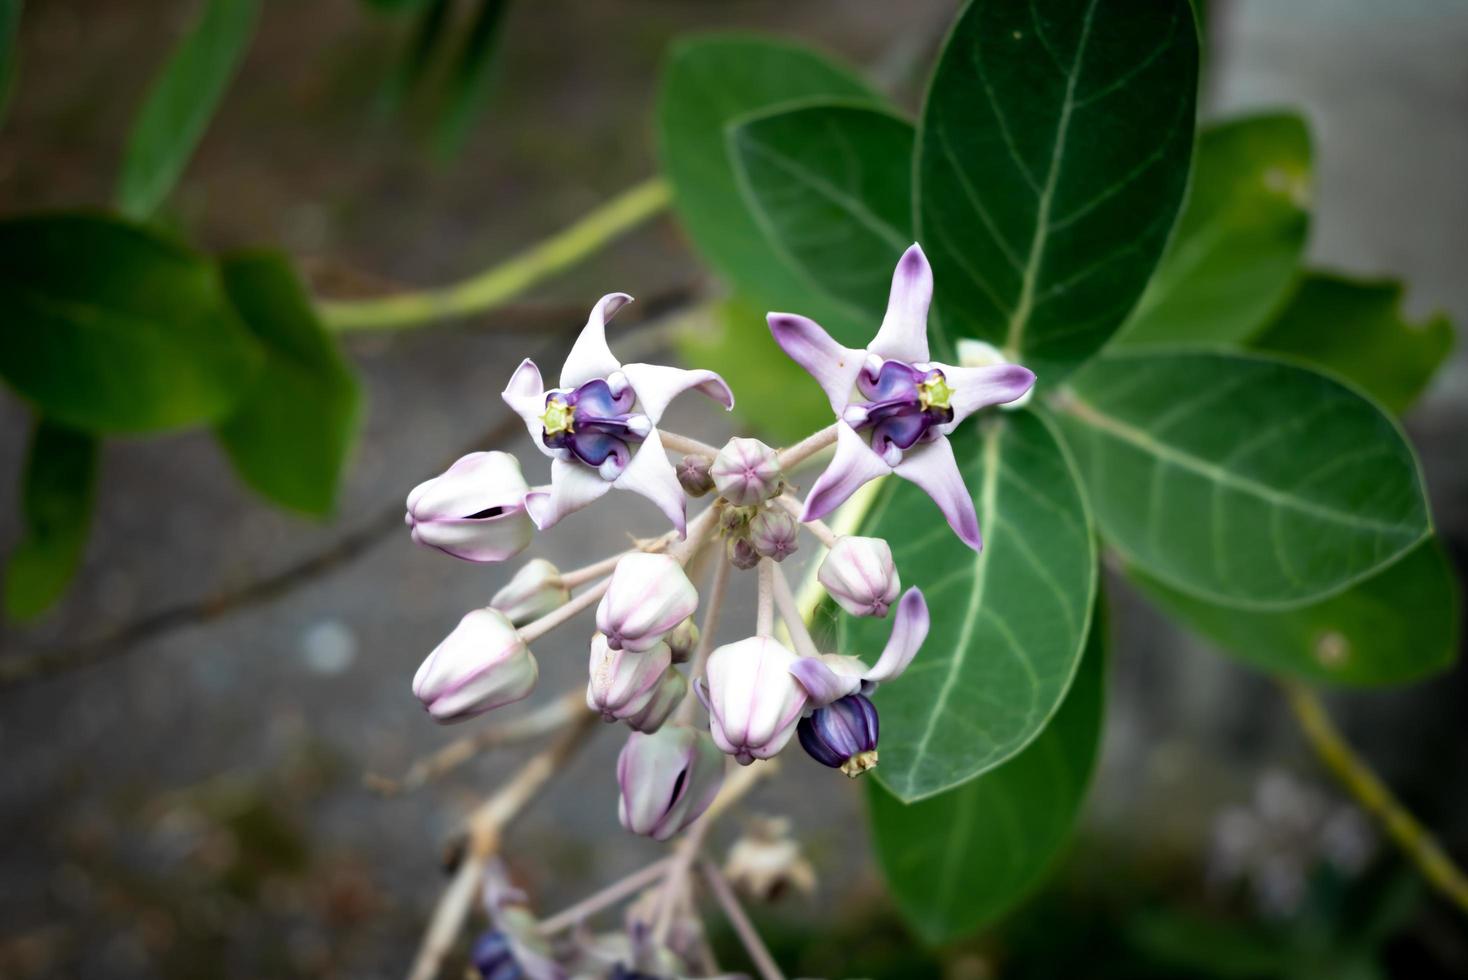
x=1399, y=625
x=1236, y=253
x=772, y=393
x=1356, y=329
x=472, y=79
x=110, y=327
x=1009, y=622
x=963, y=858
x=290, y=434
x=1052, y=156
x=180, y=103
x=1242, y=479
x=9, y=50
x=831, y=185
x=56, y=502
x=708, y=84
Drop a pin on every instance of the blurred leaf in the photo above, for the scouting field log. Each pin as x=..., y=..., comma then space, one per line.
x=773, y=393
x=1399, y=625
x=1356, y=329
x=831, y=184
x=472, y=79
x=1052, y=158
x=1199, y=947
x=1238, y=245
x=428, y=33
x=290, y=434
x=394, y=6
x=9, y=51
x=181, y=102
x=1008, y=622
x=962, y=859
x=56, y=503
x=709, y=83
x=1241, y=479
x=110, y=327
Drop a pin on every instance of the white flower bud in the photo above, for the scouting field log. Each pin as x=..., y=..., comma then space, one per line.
x=860, y=575
x=474, y=510
x=622, y=682
x=683, y=640
x=741, y=553
x=746, y=472
x=669, y=693
x=648, y=597
x=481, y=665
x=754, y=702
x=693, y=474
x=667, y=779
x=536, y=589
x=773, y=534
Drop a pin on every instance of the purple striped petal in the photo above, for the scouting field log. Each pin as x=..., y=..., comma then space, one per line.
x=932, y=467
x=651, y=475
x=979, y=387
x=573, y=486
x=853, y=465
x=904, y=332
x=806, y=342
x=590, y=356
x=657, y=385
x=909, y=629
x=822, y=683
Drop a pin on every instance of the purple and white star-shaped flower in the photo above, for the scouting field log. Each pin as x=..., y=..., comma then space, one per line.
x=600, y=425
x=895, y=407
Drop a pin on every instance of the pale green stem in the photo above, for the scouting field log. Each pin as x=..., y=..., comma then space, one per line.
x=503, y=282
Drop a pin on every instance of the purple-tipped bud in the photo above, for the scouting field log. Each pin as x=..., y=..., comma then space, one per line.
x=665, y=699
x=773, y=534
x=753, y=700
x=474, y=510
x=648, y=597
x=493, y=957
x=746, y=471
x=683, y=640
x=860, y=575
x=668, y=779
x=842, y=735
x=536, y=589
x=483, y=664
x=622, y=682
x=693, y=474
x=741, y=553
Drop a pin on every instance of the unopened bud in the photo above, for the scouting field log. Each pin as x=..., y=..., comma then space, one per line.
x=648, y=597
x=474, y=510
x=754, y=702
x=773, y=534
x=741, y=553
x=693, y=474
x=481, y=665
x=683, y=640
x=535, y=590
x=746, y=471
x=667, y=779
x=665, y=699
x=622, y=682
x=860, y=575
x=842, y=735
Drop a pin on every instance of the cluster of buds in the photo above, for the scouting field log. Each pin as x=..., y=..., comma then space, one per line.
x=650, y=663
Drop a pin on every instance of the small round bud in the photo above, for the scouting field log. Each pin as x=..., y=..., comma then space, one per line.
x=860, y=575
x=754, y=701
x=667, y=779
x=481, y=665
x=693, y=474
x=683, y=640
x=773, y=534
x=741, y=553
x=746, y=471
x=734, y=521
x=842, y=735
x=622, y=682
x=648, y=597
x=535, y=590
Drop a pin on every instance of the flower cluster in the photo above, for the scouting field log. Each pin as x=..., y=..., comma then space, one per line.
x=650, y=663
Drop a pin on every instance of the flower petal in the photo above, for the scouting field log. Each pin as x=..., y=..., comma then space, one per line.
x=822, y=683
x=931, y=466
x=650, y=474
x=909, y=629
x=525, y=394
x=904, y=332
x=853, y=465
x=979, y=387
x=657, y=385
x=806, y=342
x=573, y=486
x=590, y=356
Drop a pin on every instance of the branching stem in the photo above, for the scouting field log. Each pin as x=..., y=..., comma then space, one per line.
x=765, y=614
x=673, y=442
x=734, y=912
x=717, y=591
x=819, y=528
x=807, y=447
x=790, y=614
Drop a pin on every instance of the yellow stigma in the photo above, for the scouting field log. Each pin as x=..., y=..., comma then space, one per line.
x=557, y=417
x=860, y=763
x=935, y=393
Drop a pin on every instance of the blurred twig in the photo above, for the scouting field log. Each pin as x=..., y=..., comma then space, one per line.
x=1415, y=840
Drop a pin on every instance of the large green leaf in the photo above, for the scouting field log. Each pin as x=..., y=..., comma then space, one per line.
x=1052, y=156
x=56, y=503
x=1398, y=625
x=1356, y=329
x=965, y=857
x=1237, y=249
x=1242, y=479
x=708, y=84
x=9, y=53
x=112, y=328
x=290, y=434
x=1009, y=622
x=181, y=102
x=831, y=184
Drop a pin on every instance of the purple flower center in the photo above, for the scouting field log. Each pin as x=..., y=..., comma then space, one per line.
x=840, y=732
x=596, y=425
x=903, y=405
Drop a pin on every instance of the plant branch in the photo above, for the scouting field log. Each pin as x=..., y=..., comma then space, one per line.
x=717, y=590
x=507, y=280
x=790, y=614
x=765, y=609
x=1353, y=772
x=673, y=442
x=734, y=912
x=817, y=527
x=807, y=447
x=610, y=895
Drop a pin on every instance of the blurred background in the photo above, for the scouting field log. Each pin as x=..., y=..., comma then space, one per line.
x=193, y=804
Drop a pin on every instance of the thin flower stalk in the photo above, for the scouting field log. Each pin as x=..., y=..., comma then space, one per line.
x=758, y=952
